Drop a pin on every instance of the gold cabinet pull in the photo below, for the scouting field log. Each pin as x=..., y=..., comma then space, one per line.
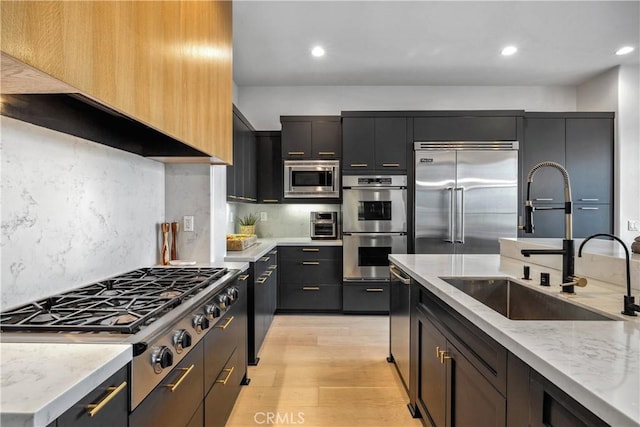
x=268, y=273
x=310, y=288
x=375, y=290
x=437, y=351
x=243, y=277
x=326, y=153
x=270, y=200
x=296, y=153
x=310, y=249
x=265, y=259
x=274, y=252
x=173, y=387
x=273, y=267
x=260, y=281
x=229, y=320
x=358, y=165
x=310, y=263
x=229, y=371
x=391, y=165
x=444, y=356
x=94, y=408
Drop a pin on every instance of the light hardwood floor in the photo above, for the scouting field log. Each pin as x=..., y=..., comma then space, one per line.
x=324, y=371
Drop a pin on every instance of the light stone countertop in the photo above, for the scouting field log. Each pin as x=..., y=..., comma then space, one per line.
x=263, y=246
x=39, y=382
x=595, y=362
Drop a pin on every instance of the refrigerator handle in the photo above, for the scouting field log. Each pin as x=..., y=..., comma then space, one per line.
x=450, y=238
x=460, y=212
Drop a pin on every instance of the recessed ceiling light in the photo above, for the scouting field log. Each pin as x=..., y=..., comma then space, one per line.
x=509, y=50
x=317, y=51
x=624, y=50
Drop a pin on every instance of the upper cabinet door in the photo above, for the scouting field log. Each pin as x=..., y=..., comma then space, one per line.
x=589, y=154
x=296, y=140
x=465, y=129
x=544, y=141
x=142, y=59
x=326, y=139
x=358, y=144
x=391, y=144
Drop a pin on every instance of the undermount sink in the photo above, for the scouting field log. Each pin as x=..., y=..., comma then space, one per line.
x=518, y=302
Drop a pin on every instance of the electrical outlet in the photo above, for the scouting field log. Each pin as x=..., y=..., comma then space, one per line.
x=187, y=222
x=633, y=225
x=263, y=216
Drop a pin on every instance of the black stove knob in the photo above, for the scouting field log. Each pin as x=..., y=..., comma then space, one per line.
x=223, y=301
x=161, y=358
x=212, y=311
x=232, y=293
x=181, y=340
x=200, y=323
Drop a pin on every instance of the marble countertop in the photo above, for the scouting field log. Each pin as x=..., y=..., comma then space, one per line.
x=263, y=246
x=40, y=382
x=595, y=362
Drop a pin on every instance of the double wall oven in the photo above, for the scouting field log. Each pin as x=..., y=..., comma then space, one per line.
x=374, y=225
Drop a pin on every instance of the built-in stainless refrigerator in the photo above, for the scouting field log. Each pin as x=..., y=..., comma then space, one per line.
x=466, y=196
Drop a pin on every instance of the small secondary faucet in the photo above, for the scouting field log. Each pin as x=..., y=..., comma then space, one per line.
x=568, y=250
x=629, y=307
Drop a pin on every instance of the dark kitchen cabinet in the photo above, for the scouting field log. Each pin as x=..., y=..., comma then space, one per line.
x=583, y=144
x=374, y=145
x=177, y=398
x=241, y=176
x=219, y=402
x=262, y=301
x=365, y=297
x=465, y=128
x=114, y=393
x=311, y=137
x=310, y=278
x=270, y=168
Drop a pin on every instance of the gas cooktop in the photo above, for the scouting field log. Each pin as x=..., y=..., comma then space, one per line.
x=122, y=305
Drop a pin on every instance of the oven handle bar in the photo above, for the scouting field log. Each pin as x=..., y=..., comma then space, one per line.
x=394, y=271
x=94, y=408
x=399, y=233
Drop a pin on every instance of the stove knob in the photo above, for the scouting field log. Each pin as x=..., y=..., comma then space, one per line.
x=223, y=301
x=161, y=358
x=212, y=311
x=232, y=293
x=181, y=340
x=200, y=323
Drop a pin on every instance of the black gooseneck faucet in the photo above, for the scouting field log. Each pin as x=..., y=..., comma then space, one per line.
x=568, y=250
x=629, y=307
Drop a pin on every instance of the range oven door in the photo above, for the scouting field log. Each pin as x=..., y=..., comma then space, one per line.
x=374, y=210
x=366, y=255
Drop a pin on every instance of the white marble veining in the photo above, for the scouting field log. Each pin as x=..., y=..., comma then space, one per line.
x=601, y=259
x=39, y=382
x=257, y=251
x=73, y=211
x=595, y=362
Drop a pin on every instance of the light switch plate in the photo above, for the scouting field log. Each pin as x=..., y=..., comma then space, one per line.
x=263, y=216
x=187, y=222
x=632, y=225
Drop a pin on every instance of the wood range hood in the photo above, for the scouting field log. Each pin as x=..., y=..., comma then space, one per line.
x=33, y=96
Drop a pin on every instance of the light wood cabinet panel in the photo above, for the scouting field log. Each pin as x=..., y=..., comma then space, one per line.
x=168, y=64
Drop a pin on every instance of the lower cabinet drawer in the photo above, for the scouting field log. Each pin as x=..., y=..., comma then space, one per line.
x=310, y=297
x=314, y=272
x=219, y=344
x=109, y=403
x=220, y=400
x=368, y=297
x=175, y=401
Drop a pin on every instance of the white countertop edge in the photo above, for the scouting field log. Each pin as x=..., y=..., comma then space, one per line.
x=65, y=399
x=489, y=321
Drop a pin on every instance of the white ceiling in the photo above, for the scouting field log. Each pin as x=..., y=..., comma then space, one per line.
x=430, y=42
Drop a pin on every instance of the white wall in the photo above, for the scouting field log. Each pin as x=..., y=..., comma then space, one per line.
x=263, y=106
x=73, y=211
x=618, y=90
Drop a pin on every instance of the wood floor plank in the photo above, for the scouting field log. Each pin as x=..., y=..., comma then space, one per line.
x=325, y=370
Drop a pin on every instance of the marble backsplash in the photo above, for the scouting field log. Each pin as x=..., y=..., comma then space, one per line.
x=73, y=211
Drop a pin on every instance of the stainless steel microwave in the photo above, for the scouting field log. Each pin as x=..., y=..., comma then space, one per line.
x=312, y=179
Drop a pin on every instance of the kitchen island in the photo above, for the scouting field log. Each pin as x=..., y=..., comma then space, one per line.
x=597, y=363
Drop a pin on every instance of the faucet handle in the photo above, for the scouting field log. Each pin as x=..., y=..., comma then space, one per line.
x=576, y=281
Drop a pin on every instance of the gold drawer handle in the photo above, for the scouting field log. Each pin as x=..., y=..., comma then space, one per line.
x=375, y=290
x=229, y=371
x=270, y=200
x=94, y=408
x=243, y=277
x=296, y=153
x=273, y=267
x=268, y=273
x=229, y=320
x=310, y=263
x=310, y=288
x=173, y=387
x=274, y=252
x=326, y=153
x=444, y=356
x=265, y=259
x=358, y=165
x=437, y=351
x=260, y=281
x=310, y=250
x=391, y=165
